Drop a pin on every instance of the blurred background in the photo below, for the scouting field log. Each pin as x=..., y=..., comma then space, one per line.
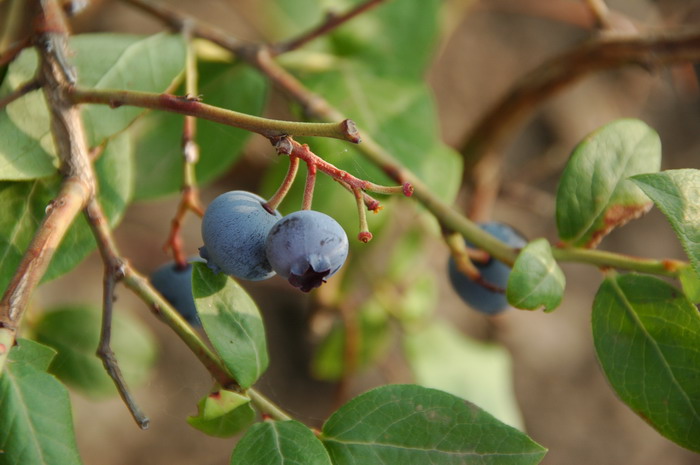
x=487, y=46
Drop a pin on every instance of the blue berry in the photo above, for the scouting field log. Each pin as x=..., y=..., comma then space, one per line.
x=234, y=229
x=494, y=272
x=307, y=247
x=175, y=284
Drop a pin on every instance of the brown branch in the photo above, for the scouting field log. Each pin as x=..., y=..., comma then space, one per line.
x=331, y=22
x=77, y=187
x=599, y=54
x=19, y=92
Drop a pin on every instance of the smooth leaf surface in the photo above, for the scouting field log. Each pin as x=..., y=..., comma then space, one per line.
x=647, y=337
x=677, y=194
x=690, y=280
x=232, y=322
x=536, y=280
x=279, y=443
x=35, y=412
x=74, y=333
x=222, y=414
x=158, y=135
x=395, y=39
x=441, y=357
x=594, y=195
x=24, y=206
x=103, y=61
x=413, y=424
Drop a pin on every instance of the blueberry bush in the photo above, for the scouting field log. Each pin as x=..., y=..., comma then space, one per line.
x=92, y=123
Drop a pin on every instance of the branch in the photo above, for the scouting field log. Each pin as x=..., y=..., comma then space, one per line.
x=599, y=54
x=332, y=21
x=19, y=92
x=272, y=129
x=77, y=188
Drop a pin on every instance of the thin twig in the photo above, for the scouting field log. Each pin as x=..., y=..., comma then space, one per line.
x=331, y=22
x=190, y=105
x=282, y=191
x=104, y=350
x=21, y=91
x=309, y=187
x=598, y=54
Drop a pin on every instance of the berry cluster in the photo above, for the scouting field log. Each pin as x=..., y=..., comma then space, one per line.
x=245, y=239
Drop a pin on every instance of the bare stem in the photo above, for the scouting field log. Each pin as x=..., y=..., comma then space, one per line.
x=21, y=91
x=282, y=191
x=309, y=187
x=104, y=350
x=266, y=406
x=331, y=22
x=189, y=105
x=364, y=235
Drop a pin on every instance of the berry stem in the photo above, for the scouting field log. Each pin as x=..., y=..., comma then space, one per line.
x=287, y=182
x=309, y=187
x=364, y=235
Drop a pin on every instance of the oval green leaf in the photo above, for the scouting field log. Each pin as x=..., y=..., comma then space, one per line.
x=442, y=358
x=222, y=414
x=647, y=335
x=158, y=135
x=279, y=443
x=74, y=333
x=24, y=206
x=677, y=194
x=594, y=195
x=232, y=322
x=413, y=424
x=536, y=280
x=690, y=280
x=35, y=411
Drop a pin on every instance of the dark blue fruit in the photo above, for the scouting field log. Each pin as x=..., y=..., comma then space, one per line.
x=175, y=284
x=306, y=247
x=494, y=272
x=234, y=229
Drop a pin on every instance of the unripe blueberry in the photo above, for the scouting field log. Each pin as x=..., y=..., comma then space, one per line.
x=234, y=229
x=306, y=247
x=175, y=284
x=494, y=272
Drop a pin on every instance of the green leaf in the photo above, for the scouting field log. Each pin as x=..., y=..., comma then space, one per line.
x=647, y=337
x=395, y=39
x=279, y=443
x=74, y=333
x=594, y=195
x=372, y=335
x=413, y=424
x=690, y=280
x=536, y=280
x=441, y=357
x=103, y=61
x=222, y=414
x=677, y=194
x=232, y=322
x=35, y=412
x=24, y=206
x=158, y=135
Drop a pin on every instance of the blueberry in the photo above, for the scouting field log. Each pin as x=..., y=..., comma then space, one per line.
x=234, y=229
x=175, y=284
x=306, y=247
x=494, y=272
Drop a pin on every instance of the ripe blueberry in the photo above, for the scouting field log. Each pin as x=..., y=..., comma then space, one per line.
x=306, y=247
x=234, y=229
x=493, y=272
x=175, y=284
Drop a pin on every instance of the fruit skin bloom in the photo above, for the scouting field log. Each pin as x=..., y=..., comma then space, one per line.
x=307, y=247
x=234, y=229
x=495, y=272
